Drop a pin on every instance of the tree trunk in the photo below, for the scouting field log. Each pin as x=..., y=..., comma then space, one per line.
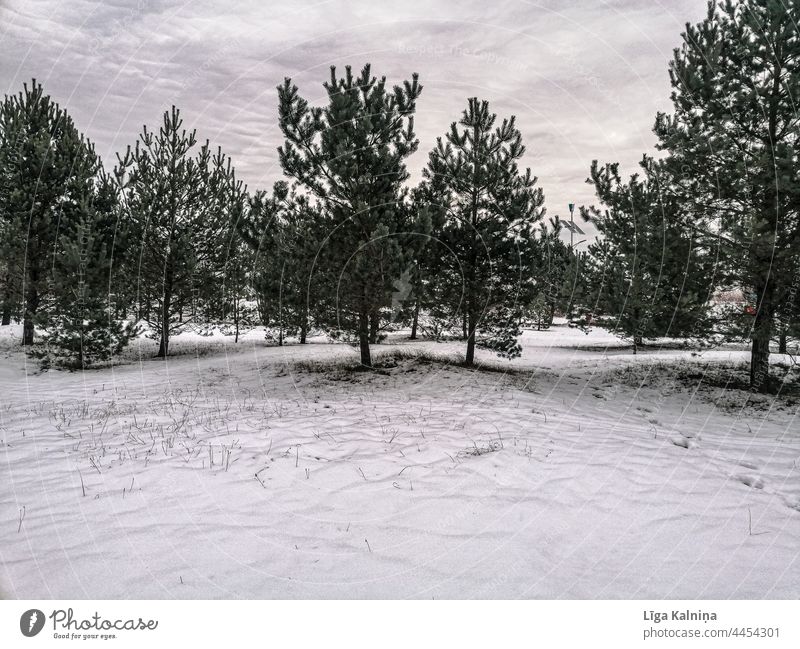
x=163, y=346
x=637, y=313
x=759, y=350
x=469, y=359
x=148, y=309
x=303, y=331
x=415, y=321
x=235, y=318
x=373, y=329
x=464, y=326
x=31, y=307
x=363, y=339
x=782, y=346
x=761, y=252
x=7, y=302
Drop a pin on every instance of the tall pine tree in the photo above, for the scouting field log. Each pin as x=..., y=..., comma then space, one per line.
x=284, y=232
x=83, y=327
x=9, y=277
x=350, y=154
x=733, y=140
x=552, y=260
x=236, y=265
x=649, y=277
x=178, y=198
x=47, y=174
x=491, y=210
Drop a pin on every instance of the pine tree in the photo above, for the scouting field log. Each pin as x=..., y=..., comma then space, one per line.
x=300, y=246
x=650, y=278
x=47, y=171
x=11, y=267
x=178, y=206
x=260, y=231
x=282, y=231
x=350, y=154
x=84, y=329
x=9, y=276
x=788, y=312
x=413, y=293
x=237, y=313
x=552, y=261
x=402, y=306
x=426, y=307
x=221, y=275
x=733, y=144
x=491, y=210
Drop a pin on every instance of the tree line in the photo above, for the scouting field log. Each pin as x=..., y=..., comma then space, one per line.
x=169, y=238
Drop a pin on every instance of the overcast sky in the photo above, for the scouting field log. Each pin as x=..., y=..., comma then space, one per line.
x=584, y=77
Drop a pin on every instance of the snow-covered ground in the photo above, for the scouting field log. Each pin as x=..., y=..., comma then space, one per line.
x=248, y=471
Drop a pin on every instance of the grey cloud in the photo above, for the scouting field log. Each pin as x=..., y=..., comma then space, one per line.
x=584, y=78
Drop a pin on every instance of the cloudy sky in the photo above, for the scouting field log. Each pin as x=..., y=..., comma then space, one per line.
x=584, y=77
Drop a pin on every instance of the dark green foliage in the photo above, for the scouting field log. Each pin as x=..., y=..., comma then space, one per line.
x=648, y=276
x=350, y=154
x=491, y=208
x=734, y=149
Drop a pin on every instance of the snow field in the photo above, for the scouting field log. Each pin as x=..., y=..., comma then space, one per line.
x=265, y=472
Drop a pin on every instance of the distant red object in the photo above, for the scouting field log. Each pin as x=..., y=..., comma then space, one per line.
x=750, y=310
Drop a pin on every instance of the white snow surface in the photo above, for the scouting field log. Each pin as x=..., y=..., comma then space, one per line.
x=232, y=471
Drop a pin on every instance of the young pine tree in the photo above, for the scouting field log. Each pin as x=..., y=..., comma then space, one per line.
x=282, y=231
x=9, y=274
x=421, y=250
x=260, y=230
x=221, y=274
x=83, y=328
x=47, y=174
x=238, y=314
x=9, y=267
x=350, y=154
x=732, y=139
x=491, y=210
x=177, y=198
x=552, y=261
x=649, y=276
